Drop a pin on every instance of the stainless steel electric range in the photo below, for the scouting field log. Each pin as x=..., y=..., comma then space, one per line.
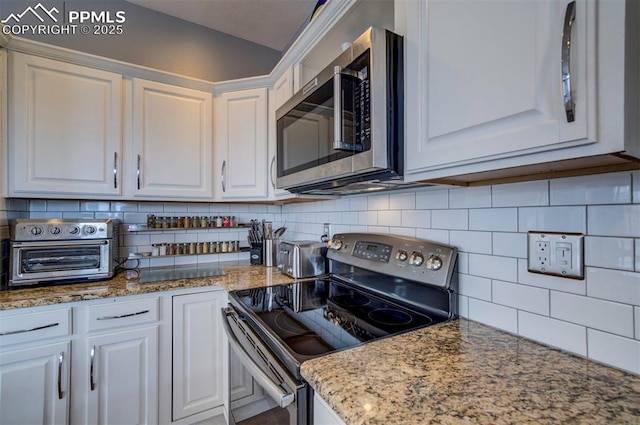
x=378, y=286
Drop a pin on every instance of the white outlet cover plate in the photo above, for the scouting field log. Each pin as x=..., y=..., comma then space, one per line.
x=552, y=262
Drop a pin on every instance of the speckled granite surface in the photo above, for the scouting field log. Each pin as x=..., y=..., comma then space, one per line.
x=238, y=275
x=463, y=372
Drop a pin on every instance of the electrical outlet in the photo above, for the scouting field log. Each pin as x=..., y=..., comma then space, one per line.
x=557, y=254
x=327, y=230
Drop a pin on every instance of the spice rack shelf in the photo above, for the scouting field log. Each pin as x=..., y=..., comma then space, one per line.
x=133, y=228
x=146, y=256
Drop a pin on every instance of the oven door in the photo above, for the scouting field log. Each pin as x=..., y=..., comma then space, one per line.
x=33, y=262
x=261, y=390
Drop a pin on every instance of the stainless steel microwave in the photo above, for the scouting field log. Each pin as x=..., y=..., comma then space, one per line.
x=343, y=131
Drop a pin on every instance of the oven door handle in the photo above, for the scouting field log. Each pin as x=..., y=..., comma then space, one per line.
x=279, y=395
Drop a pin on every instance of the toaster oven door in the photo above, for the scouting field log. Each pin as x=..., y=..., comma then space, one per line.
x=34, y=262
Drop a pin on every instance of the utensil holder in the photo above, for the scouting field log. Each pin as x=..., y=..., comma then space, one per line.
x=270, y=252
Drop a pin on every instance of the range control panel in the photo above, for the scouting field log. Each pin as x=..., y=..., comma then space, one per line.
x=61, y=229
x=408, y=258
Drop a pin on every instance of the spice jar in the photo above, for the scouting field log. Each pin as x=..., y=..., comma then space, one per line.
x=218, y=221
x=162, y=249
x=171, y=249
x=186, y=222
x=191, y=248
x=225, y=221
x=155, y=250
x=205, y=248
x=232, y=221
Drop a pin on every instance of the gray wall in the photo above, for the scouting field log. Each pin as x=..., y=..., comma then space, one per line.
x=154, y=40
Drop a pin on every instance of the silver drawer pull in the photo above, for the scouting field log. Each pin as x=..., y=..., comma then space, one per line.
x=92, y=356
x=21, y=331
x=569, y=105
x=122, y=316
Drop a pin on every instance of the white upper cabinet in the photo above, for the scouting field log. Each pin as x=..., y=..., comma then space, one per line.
x=65, y=128
x=171, y=142
x=241, y=144
x=484, y=84
x=281, y=92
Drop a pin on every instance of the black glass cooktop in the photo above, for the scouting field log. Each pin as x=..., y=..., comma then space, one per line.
x=316, y=317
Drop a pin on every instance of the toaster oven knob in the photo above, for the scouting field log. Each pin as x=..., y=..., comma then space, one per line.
x=335, y=244
x=36, y=231
x=290, y=271
x=90, y=230
x=434, y=262
x=55, y=230
x=402, y=255
x=416, y=259
x=74, y=230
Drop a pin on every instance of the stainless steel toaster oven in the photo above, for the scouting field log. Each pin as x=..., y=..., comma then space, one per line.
x=62, y=250
x=302, y=259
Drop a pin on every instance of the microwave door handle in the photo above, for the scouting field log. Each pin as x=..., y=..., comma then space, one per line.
x=337, y=108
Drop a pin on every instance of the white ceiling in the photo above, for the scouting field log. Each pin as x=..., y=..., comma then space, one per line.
x=271, y=23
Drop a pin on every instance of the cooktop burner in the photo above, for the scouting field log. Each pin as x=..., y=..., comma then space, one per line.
x=390, y=316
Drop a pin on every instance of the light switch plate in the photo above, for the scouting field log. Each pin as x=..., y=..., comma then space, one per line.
x=556, y=254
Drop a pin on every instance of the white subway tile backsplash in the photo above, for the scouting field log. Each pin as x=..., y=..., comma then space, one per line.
x=614, y=253
x=434, y=235
x=368, y=218
x=402, y=201
x=557, y=333
x=573, y=286
x=176, y=207
x=613, y=350
x=149, y=207
x=636, y=187
x=638, y=255
x=613, y=188
x=597, y=314
x=359, y=203
x=432, y=200
x=450, y=219
x=494, y=219
x=502, y=268
x=378, y=202
x=522, y=297
x=510, y=244
x=474, y=287
x=553, y=219
x=527, y=194
x=463, y=306
x=95, y=206
x=614, y=220
x=416, y=218
x=62, y=206
x=406, y=231
x=463, y=263
x=500, y=317
x=613, y=285
x=349, y=217
x=42, y=214
x=470, y=197
x=378, y=229
x=37, y=205
x=127, y=207
x=636, y=314
x=78, y=215
x=135, y=218
x=468, y=241
x=390, y=218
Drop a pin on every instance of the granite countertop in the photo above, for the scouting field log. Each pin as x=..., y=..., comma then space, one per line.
x=237, y=275
x=463, y=372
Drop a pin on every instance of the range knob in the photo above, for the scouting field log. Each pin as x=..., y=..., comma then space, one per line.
x=416, y=259
x=434, y=262
x=90, y=230
x=402, y=255
x=36, y=231
x=54, y=230
x=335, y=244
x=74, y=230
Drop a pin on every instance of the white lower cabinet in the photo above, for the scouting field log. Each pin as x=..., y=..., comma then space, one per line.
x=34, y=366
x=34, y=385
x=197, y=353
x=323, y=414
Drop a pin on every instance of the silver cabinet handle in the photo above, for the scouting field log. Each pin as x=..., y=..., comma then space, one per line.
x=569, y=105
x=138, y=172
x=115, y=170
x=122, y=315
x=273, y=161
x=92, y=382
x=21, y=331
x=60, y=362
x=224, y=166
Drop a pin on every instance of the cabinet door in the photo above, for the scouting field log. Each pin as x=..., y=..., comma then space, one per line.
x=484, y=80
x=281, y=92
x=34, y=385
x=172, y=139
x=66, y=128
x=241, y=144
x=197, y=353
x=122, y=377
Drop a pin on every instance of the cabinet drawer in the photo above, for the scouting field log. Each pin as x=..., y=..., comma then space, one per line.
x=28, y=327
x=122, y=313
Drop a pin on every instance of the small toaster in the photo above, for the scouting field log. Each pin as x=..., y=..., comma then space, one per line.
x=301, y=259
